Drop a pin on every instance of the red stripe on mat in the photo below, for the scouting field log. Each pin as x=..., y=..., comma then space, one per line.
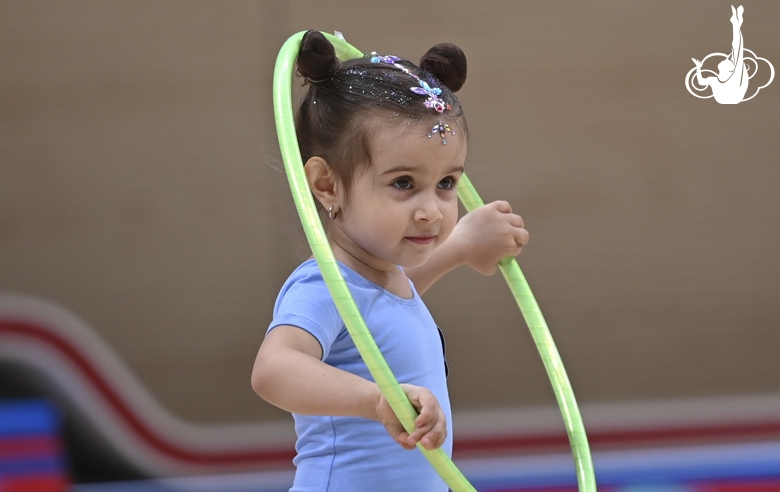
x=133, y=421
x=181, y=453
x=34, y=484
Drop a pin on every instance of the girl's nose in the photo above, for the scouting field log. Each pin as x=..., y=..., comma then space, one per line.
x=428, y=211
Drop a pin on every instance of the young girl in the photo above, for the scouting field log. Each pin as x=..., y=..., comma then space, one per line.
x=384, y=144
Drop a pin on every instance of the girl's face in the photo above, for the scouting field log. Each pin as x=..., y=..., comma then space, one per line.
x=404, y=203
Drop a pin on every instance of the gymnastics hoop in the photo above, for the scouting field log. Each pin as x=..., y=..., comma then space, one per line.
x=377, y=366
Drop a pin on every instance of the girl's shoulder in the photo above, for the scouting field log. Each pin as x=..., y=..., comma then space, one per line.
x=309, y=271
x=306, y=269
x=307, y=275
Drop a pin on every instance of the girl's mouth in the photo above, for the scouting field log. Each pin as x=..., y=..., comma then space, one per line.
x=421, y=239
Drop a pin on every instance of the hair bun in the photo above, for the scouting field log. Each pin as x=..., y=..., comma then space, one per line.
x=317, y=58
x=447, y=63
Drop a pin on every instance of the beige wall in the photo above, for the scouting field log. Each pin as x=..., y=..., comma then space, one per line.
x=140, y=188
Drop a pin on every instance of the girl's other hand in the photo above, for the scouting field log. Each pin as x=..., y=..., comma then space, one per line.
x=488, y=234
x=430, y=424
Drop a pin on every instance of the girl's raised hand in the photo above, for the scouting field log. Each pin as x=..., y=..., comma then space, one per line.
x=430, y=424
x=487, y=234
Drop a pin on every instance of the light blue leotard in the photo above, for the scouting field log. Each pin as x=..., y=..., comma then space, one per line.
x=346, y=454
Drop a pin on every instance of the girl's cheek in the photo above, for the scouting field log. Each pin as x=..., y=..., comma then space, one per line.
x=451, y=218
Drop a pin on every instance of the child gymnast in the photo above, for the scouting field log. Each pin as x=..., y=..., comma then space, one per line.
x=384, y=144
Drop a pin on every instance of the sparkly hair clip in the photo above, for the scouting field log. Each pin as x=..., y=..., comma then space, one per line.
x=389, y=59
x=434, y=101
x=441, y=128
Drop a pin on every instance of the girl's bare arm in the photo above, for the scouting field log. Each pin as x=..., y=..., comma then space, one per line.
x=289, y=374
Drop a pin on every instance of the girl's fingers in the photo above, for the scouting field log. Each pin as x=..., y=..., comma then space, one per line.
x=521, y=237
x=404, y=441
x=515, y=220
x=399, y=434
x=423, y=423
x=432, y=432
x=501, y=206
x=436, y=436
x=430, y=424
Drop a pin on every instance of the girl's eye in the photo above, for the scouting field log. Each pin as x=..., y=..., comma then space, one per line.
x=403, y=183
x=447, y=183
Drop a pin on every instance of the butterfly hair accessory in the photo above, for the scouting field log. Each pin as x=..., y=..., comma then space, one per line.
x=433, y=101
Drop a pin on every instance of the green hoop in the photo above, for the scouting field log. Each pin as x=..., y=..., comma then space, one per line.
x=315, y=234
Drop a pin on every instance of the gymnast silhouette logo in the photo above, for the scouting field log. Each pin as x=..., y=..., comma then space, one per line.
x=735, y=70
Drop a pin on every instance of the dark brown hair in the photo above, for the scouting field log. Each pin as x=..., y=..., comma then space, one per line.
x=346, y=102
